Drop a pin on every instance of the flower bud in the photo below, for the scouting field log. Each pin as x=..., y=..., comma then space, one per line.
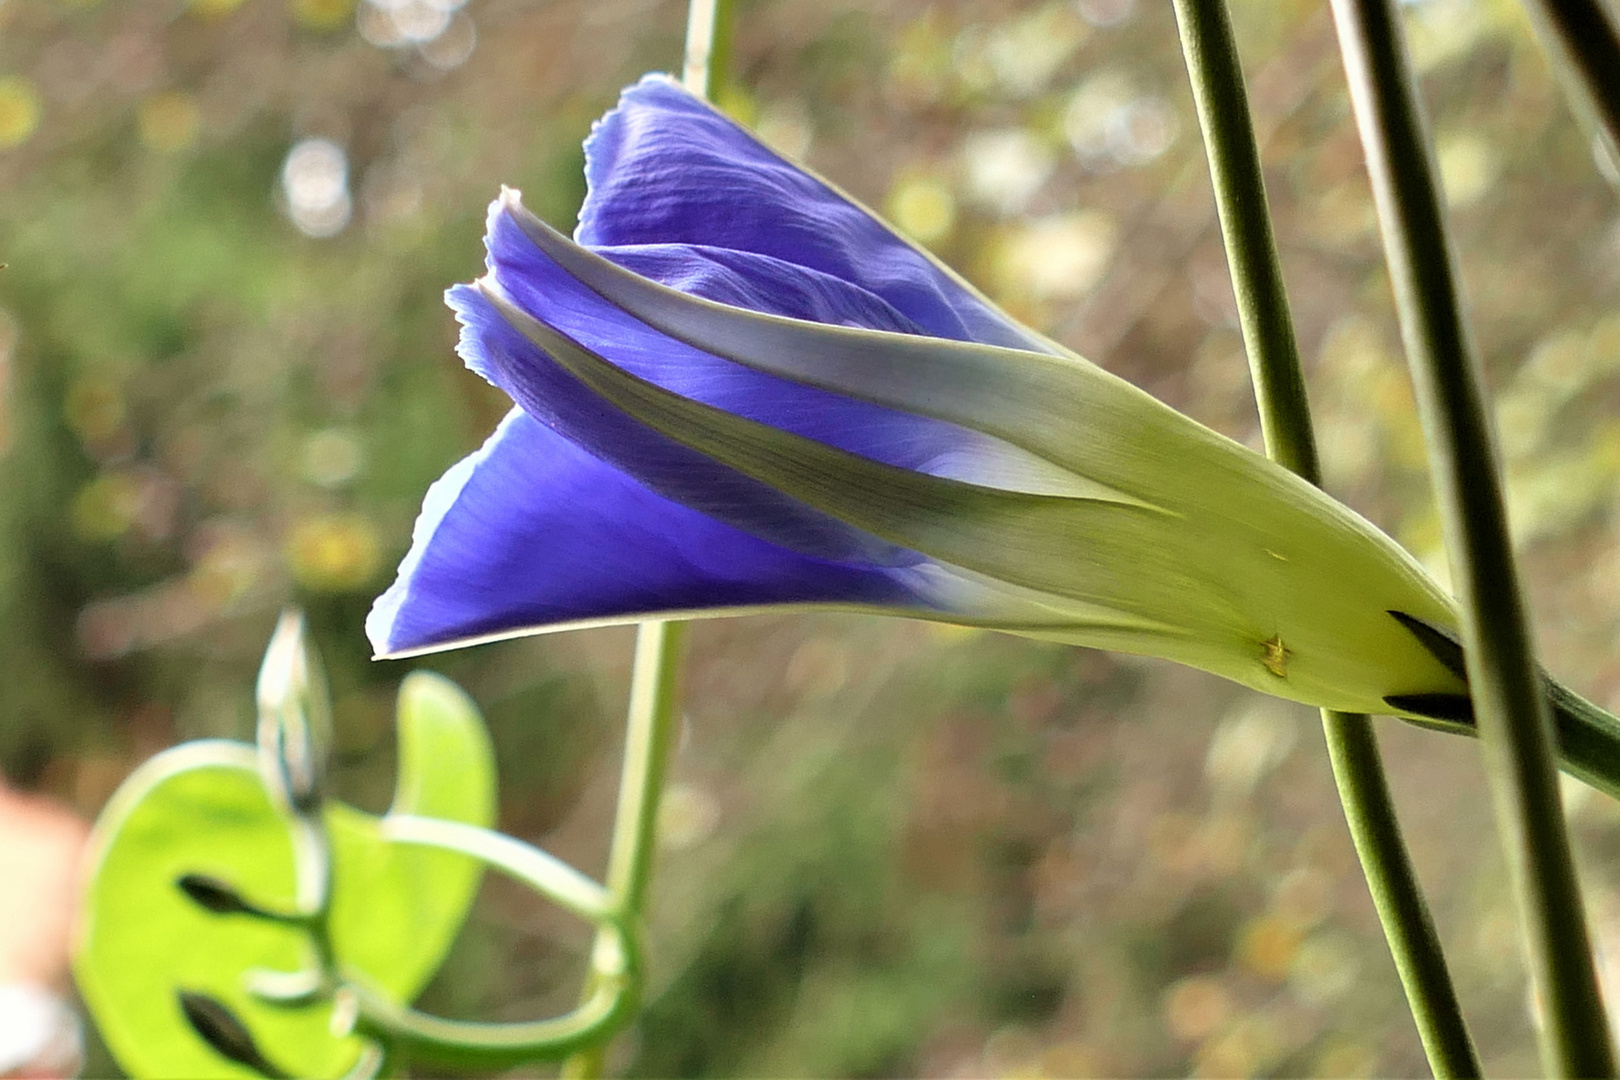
x=295, y=718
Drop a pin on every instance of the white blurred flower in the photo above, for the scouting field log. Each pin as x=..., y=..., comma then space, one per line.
x=1005, y=168
x=39, y=1033
x=315, y=185
x=1106, y=13
x=1057, y=257
x=1110, y=124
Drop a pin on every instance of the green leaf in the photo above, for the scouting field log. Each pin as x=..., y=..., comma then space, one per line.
x=399, y=924
x=202, y=809
x=198, y=808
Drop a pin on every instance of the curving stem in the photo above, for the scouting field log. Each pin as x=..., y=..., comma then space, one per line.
x=419, y=1037
x=653, y=722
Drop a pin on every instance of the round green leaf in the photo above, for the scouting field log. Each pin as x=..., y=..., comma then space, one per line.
x=202, y=809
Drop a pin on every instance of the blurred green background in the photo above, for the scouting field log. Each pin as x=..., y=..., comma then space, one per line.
x=227, y=377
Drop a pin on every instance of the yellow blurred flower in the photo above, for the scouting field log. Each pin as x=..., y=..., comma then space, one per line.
x=19, y=110
x=924, y=207
x=168, y=122
x=106, y=507
x=333, y=552
x=93, y=409
x=322, y=14
x=1267, y=946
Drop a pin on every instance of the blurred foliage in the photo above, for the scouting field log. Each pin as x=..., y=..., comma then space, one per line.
x=226, y=378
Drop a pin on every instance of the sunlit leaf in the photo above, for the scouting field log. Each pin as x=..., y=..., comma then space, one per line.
x=201, y=809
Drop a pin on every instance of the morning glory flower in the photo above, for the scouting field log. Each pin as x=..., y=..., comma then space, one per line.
x=736, y=390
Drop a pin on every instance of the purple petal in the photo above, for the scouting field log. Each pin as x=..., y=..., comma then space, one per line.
x=546, y=291
x=550, y=294
x=533, y=531
x=495, y=349
x=667, y=168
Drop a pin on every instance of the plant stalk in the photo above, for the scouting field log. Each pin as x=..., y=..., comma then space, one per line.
x=658, y=644
x=651, y=733
x=708, y=47
x=1509, y=704
x=1216, y=72
x=1580, y=36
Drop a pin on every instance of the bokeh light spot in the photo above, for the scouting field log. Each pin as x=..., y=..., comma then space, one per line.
x=453, y=46
x=1111, y=125
x=1059, y=257
x=1267, y=946
x=1324, y=969
x=315, y=185
x=1004, y=169
x=332, y=457
x=1305, y=896
x=687, y=816
x=1469, y=165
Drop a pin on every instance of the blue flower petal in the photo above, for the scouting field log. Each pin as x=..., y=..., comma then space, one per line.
x=495, y=349
x=666, y=167
x=550, y=294
x=533, y=531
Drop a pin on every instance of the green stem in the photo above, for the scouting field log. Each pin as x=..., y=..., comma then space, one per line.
x=653, y=722
x=1509, y=705
x=658, y=644
x=708, y=47
x=1581, y=35
x=1285, y=418
x=1240, y=200
x=1369, y=809
x=541, y=871
x=616, y=964
x=312, y=852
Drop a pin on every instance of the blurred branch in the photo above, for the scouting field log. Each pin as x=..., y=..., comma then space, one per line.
x=1509, y=705
x=1580, y=35
x=708, y=47
x=1285, y=417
